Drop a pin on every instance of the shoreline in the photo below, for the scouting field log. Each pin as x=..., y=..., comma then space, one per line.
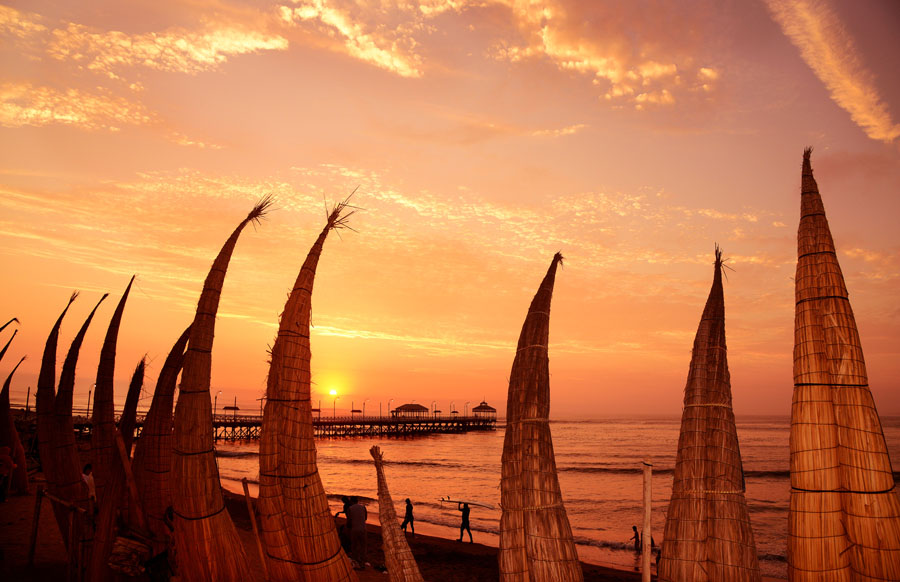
x=439, y=559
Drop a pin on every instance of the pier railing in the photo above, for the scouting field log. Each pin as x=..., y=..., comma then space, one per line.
x=248, y=426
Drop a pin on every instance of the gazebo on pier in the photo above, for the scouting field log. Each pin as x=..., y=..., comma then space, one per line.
x=410, y=411
x=484, y=410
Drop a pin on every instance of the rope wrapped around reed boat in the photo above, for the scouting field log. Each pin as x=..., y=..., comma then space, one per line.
x=844, y=520
x=708, y=535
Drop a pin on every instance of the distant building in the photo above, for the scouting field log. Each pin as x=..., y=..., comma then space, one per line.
x=411, y=411
x=484, y=410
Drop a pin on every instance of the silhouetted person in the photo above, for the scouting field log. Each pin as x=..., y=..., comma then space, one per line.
x=356, y=518
x=636, y=538
x=464, y=526
x=408, y=518
x=344, y=530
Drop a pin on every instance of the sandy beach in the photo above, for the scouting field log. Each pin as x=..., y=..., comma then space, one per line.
x=440, y=559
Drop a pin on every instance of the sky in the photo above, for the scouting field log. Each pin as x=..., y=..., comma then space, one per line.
x=481, y=137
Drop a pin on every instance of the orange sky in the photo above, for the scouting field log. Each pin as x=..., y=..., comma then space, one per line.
x=484, y=136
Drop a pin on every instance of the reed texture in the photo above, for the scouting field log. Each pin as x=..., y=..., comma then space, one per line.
x=205, y=536
x=399, y=559
x=295, y=520
x=9, y=437
x=152, y=462
x=708, y=535
x=844, y=522
x=103, y=418
x=114, y=503
x=44, y=404
x=536, y=543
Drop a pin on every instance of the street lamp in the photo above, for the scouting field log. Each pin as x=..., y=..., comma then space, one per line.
x=389, y=406
x=364, y=406
x=451, y=407
x=466, y=409
x=216, y=403
x=334, y=407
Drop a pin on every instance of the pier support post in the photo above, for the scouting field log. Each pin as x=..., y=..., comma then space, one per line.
x=646, y=535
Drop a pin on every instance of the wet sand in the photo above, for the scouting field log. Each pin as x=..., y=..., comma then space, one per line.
x=440, y=560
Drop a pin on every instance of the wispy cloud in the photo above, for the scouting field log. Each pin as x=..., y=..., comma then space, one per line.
x=24, y=104
x=625, y=65
x=387, y=48
x=116, y=54
x=176, y=50
x=830, y=52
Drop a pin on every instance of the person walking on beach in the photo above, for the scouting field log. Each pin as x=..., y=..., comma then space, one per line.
x=356, y=518
x=636, y=538
x=408, y=518
x=464, y=526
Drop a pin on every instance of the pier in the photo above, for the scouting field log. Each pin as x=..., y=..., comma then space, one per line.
x=248, y=427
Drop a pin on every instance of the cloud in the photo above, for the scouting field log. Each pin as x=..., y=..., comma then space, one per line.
x=174, y=50
x=18, y=24
x=632, y=57
x=830, y=52
x=24, y=104
x=387, y=48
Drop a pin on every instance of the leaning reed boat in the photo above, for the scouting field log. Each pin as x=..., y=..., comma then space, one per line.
x=152, y=463
x=297, y=525
x=203, y=529
x=103, y=418
x=844, y=522
x=46, y=395
x=10, y=438
x=400, y=562
x=536, y=543
x=113, y=505
x=708, y=535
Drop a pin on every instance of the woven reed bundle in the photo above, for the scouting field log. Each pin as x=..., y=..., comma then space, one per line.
x=296, y=522
x=708, y=534
x=844, y=519
x=103, y=419
x=44, y=399
x=9, y=341
x=128, y=419
x=112, y=503
x=10, y=438
x=152, y=462
x=203, y=529
x=536, y=542
x=66, y=479
x=401, y=565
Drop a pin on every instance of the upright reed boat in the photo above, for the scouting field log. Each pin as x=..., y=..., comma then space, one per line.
x=708, y=535
x=844, y=523
x=536, y=543
x=206, y=541
x=297, y=525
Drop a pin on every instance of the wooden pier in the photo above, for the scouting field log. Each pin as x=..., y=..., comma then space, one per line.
x=248, y=427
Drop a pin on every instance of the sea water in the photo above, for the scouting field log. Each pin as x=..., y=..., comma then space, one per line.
x=600, y=473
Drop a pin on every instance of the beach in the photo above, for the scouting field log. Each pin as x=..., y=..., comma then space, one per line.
x=439, y=559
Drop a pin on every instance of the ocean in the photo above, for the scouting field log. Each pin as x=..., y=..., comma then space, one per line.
x=599, y=464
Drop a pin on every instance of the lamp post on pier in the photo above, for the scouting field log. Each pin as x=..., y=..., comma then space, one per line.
x=216, y=404
x=334, y=407
x=364, y=406
x=389, y=406
x=466, y=409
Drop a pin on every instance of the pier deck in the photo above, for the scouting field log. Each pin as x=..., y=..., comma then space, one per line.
x=248, y=427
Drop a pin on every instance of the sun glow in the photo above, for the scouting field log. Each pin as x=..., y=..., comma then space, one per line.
x=332, y=392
